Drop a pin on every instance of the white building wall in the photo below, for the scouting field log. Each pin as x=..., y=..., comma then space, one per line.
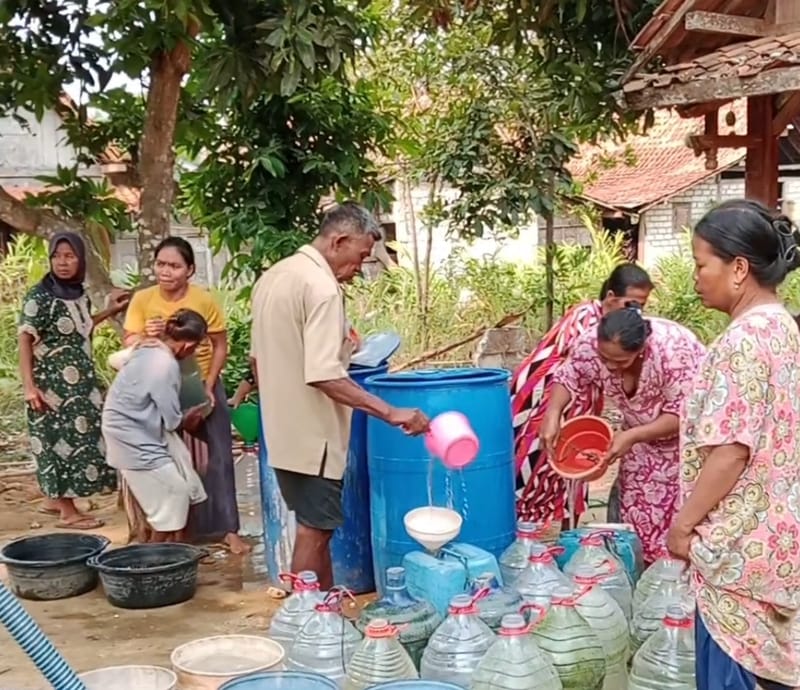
x=38, y=149
x=521, y=248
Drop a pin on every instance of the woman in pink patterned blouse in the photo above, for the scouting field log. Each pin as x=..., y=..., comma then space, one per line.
x=644, y=366
x=739, y=527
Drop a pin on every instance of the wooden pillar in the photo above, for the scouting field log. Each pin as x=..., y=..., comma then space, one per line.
x=761, y=168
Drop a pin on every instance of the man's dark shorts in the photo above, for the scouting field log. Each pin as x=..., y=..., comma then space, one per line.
x=316, y=501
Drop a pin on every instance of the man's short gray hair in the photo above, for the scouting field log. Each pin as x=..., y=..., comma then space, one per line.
x=351, y=217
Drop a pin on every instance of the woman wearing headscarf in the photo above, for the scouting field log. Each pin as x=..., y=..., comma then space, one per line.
x=63, y=399
x=543, y=495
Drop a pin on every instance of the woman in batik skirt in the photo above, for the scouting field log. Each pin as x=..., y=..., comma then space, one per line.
x=542, y=495
x=63, y=399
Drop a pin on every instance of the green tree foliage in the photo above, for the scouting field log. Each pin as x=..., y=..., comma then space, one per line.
x=233, y=85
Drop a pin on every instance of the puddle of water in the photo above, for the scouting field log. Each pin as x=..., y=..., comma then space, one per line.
x=240, y=573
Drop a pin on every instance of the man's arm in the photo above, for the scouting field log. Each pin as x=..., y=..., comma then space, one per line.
x=348, y=392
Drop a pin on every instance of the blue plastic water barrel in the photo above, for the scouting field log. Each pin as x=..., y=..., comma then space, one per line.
x=351, y=548
x=399, y=465
x=281, y=680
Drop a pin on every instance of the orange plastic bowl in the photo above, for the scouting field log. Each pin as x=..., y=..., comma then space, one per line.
x=581, y=446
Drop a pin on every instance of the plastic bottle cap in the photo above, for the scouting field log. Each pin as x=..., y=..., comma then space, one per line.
x=542, y=554
x=381, y=628
x=563, y=596
x=513, y=624
x=462, y=604
x=304, y=581
x=585, y=575
x=677, y=617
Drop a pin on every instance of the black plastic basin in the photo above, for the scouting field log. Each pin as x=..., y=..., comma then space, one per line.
x=148, y=576
x=52, y=566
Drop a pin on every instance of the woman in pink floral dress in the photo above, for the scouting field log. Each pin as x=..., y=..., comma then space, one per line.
x=644, y=366
x=739, y=526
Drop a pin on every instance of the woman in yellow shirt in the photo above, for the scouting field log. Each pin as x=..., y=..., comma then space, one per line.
x=218, y=517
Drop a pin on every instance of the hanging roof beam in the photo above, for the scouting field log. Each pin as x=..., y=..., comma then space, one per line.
x=745, y=27
x=712, y=89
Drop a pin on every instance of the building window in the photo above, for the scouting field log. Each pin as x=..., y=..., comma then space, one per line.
x=681, y=217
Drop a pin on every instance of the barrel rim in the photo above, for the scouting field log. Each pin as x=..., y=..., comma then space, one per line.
x=298, y=675
x=178, y=666
x=445, y=377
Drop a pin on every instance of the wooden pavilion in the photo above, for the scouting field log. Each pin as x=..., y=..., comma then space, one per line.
x=699, y=55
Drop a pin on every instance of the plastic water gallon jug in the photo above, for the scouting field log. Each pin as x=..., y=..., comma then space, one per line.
x=298, y=607
x=494, y=601
x=379, y=658
x=541, y=577
x=568, y=640
x=458, y=645
x=438, y=578
x=326, y=642
x=671, y=592
x=652, y=577
x=515, y=662
x=666, y=661
x=515, y=558
x=605, y=617
x=248, y=493
x=416, y=619
x=613, y=576
x=621, y=540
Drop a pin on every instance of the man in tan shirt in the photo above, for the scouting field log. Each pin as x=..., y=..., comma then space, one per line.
x=302, y=352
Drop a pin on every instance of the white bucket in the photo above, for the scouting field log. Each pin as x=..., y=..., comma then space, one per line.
x=130, y=678
x=210, y=662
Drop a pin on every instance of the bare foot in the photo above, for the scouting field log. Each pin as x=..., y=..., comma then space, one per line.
x=80, y=522
x=236, y=544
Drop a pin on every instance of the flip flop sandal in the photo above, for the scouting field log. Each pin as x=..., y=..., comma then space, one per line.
x=48, y=511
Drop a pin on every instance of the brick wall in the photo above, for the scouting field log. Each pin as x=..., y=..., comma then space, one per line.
x=662, y=227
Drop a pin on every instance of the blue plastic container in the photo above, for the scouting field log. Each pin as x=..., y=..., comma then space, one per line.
x=623, y=543
x=439, y=578
x=399, y=465
x=351, y=548
x=415, y=685
x=281, y=680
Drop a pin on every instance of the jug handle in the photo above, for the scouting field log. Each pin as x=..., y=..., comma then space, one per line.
x=583, y=591
x=541, y=612
x=611, y=565
x=335, y=598
x=482, y=593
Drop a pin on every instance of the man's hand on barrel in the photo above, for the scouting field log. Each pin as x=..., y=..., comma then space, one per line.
x=414, y=422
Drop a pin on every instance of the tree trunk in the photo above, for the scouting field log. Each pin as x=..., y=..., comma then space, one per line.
x=550, y=257
x=157, y=152
x=43, y=223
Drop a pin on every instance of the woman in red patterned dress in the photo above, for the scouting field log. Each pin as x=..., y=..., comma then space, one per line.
x=645, y=368
x=542, y=495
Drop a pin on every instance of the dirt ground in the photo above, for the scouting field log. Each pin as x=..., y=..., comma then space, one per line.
x=91, y=634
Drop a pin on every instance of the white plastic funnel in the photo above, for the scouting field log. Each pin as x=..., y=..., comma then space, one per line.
x=432, y=527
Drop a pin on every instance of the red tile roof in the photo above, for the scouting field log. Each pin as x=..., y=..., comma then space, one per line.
x=130, y=196
x=653, y=167
x=744, y=60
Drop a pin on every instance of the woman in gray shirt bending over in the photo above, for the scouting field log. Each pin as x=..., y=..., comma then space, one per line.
x=141, y=416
